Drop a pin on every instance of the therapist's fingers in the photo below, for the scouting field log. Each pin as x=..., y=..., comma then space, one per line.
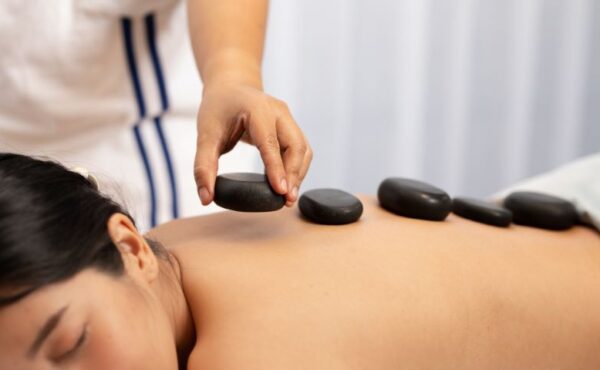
x=261, y=127
x=306, y=161
x=294, y=148
x=206, y=163
x=308, y=156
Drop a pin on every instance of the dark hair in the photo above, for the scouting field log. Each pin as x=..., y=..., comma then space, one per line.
x=53, y=224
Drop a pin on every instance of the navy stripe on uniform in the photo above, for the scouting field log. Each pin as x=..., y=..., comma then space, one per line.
x=169, y=163
x=149, y=176
x=137, y=88
x=151, y=38
x=135, y=78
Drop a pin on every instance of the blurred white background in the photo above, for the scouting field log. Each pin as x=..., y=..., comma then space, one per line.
x=470, y=95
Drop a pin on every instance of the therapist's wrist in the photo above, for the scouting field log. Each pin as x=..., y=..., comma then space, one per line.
x=232, y=67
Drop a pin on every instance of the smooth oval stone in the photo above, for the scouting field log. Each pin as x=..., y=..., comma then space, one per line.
x=415, y=199
x=541, y=210
x=330, y=206
x=481, y=211
x=247, y=192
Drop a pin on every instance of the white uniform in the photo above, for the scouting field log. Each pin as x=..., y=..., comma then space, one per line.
x=109, y=85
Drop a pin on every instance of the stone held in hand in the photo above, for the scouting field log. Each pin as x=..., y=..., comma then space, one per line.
x=481, y=211
x=415, y=199
x=330, y=206
x=247, y=192
x=541, y=210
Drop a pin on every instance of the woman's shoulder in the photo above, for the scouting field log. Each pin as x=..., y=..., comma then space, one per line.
x=252, y=279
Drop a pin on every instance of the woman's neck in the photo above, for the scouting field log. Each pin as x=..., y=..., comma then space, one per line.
x=171, y=295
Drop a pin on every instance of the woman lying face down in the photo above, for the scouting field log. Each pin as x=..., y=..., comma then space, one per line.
x=80, y=288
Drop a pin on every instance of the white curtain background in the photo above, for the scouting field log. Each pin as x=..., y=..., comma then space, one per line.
x=470, y=95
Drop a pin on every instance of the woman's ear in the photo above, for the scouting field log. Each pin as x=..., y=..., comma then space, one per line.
x=138, y=257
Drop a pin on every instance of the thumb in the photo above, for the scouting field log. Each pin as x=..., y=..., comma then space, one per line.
x=206, y=164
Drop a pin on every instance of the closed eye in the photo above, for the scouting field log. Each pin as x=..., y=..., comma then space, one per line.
x=76, y=347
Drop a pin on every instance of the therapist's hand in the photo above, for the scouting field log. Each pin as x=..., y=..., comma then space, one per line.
x=232, y=111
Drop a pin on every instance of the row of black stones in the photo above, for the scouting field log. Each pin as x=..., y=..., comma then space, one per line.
x=417, y=199
x=251, y=192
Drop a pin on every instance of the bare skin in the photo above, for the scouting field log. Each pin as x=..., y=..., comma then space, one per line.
x=272, y=291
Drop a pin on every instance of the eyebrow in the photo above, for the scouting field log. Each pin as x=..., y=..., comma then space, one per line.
x=45, y=332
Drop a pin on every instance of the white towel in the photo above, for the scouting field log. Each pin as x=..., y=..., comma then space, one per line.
x=578, y=182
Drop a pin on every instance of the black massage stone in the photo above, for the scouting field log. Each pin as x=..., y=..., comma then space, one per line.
x=330, y=206
x=481, y=211
x=541, y=210
x=415, y=199
x=247, y=192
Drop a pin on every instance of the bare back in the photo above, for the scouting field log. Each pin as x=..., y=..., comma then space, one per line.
x=272, y=291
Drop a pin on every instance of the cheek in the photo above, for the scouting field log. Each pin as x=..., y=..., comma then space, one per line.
x=127, y=338
x=130, y=348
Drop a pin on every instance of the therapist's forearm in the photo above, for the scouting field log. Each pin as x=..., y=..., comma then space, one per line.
x=228, y=39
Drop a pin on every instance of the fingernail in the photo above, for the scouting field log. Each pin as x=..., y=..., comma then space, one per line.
x=284, y=185
x=204, y=195
x=295, y=192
